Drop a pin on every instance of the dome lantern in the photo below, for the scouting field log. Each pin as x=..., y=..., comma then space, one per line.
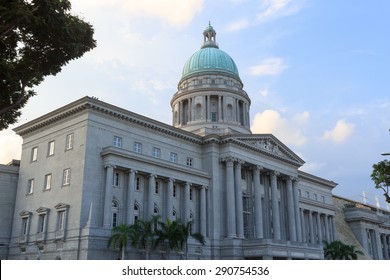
x=209, y=37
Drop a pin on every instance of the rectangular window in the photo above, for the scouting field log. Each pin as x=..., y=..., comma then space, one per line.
x=315, y=196
x=41, y=223
x=116, y=179
x=50, y=149
x=117, y=142
x=47, y=182
x=299, y=192
x=156, y=189
x=61, y=220
x=323, y=199
x=156, y=152
x=213, y=117
x=174, y=157
x=34, y=154
x=66, y=177
x=30, y=186
x=137, y=183
x=189, y=162
x=69, y=142
x=174, y=190
x=24, y=225
x=307, y=194
x=137, y=147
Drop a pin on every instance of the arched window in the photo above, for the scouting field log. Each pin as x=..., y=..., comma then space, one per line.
x=115, y=213
x=136, y=212
x=229, y=112
x=198, y=112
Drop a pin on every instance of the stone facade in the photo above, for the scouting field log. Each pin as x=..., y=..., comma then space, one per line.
x=8, y=186
x=371, y=227
x=89, y=166
x=95, y=166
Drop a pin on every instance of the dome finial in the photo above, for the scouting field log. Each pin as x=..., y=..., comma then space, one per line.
x=209, y=37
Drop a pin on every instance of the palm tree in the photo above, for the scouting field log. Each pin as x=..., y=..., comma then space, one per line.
x=187, y=232
x=120, y=236
x=169, y=232
x=176, y=234
x=145, y=234
x=337, y=250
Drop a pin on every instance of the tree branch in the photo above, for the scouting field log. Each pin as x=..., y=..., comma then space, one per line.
x=13, y=106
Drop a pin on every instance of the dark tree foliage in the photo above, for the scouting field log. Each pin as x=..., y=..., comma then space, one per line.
x=337, y=250
x=381, y=177
x=37, y=38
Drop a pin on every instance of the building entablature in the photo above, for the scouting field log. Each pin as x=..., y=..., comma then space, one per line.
x=129, y=160
x=265, y=144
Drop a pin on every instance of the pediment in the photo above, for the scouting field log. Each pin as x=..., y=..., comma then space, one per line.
x=25, y=213
x=61, y=206
x=43, y=210
x=272, y=146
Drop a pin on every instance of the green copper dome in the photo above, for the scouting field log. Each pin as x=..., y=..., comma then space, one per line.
x=210, y=58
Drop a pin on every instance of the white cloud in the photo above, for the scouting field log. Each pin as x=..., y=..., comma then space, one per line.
x=177, y=13
x=271, y=9
x=288, y=130
x=11, y=145
x=313, y=167
x=340, y=132
x=237, y=25
x=271, y=66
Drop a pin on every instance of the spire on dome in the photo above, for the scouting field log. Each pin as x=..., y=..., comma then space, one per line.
x=209, y=37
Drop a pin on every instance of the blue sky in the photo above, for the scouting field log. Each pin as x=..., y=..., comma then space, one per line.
x=316, y=72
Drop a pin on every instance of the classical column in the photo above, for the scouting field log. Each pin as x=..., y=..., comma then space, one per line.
x=327, y=232
x=203, y=211
x=319, y=228
x=108, y=196
x=219, y=108
x=258, y=208
x=238, y=195
x=296, y=209
x=378, y=245
x=230, y=201
x=186, y=203
x=150, y=205
x=333, y=228
x=291, y=210
x=181, y=113
x=275, y=205
x=304, y=226
x=385, y=247
x=208, y=109
x=130, y=197
x=169, y=198
x=311, y=227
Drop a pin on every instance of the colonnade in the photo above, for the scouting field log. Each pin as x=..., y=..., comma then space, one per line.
x=277, y=213
x=378, y=244
x=199, y=108
x=149, y=207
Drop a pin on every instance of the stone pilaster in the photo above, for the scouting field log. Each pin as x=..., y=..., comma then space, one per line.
x=291, y=210
x=203, y=210
x=275, y=206
x=238, y=195
x=258, y=204
x=130, y=197
x=108, y=196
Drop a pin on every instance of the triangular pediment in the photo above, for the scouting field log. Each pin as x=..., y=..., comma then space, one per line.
x=43, y=210
x=61, y=206
x=270, y=145
x=25, y=213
